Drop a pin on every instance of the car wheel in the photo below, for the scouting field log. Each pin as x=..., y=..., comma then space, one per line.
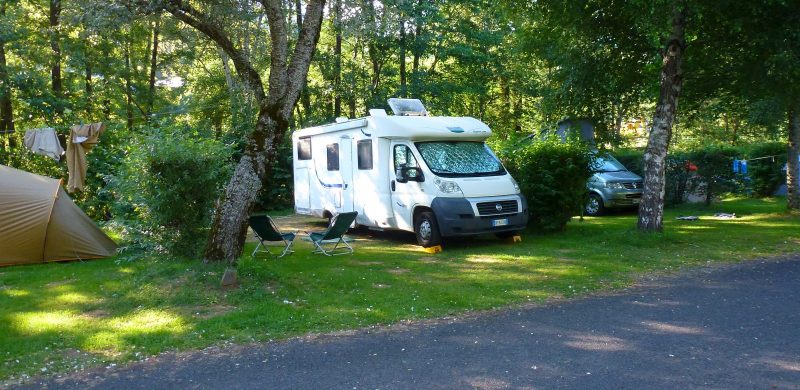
x=594, y=205
x=427, y=230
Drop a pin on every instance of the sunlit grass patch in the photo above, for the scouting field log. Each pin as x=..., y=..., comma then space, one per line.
x=61, y=317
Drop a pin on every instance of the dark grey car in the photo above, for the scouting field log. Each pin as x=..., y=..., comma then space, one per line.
x=612, y=186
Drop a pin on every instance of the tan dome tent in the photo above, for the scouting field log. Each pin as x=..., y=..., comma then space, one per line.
x=39, y=222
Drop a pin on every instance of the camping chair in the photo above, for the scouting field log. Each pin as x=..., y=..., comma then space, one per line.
x=265, y=231
x=338, y=226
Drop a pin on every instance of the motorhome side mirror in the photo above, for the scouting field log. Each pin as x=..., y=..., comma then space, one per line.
x=412, y=174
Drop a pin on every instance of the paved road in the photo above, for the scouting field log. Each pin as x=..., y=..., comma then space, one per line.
x=728, y=328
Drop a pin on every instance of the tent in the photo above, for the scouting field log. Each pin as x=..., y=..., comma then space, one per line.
x=39, y=222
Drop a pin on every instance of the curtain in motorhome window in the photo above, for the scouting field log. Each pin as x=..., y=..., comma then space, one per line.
x=333, y=157
x=365, y=154
x=304, y=149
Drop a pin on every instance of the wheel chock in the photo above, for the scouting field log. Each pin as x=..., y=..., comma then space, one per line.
x=514, y=239
x=433, y=249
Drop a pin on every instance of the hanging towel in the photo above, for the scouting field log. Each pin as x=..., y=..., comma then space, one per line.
x=82, y=139
x=45, y=142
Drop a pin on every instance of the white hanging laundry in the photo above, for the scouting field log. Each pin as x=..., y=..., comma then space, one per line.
x=45, y=142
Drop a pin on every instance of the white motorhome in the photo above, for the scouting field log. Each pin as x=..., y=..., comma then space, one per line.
x=433, y=176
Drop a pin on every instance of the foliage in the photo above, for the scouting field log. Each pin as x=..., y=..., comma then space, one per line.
x=716, y=162
x=167, y=187
x=552, y=175
x=280, y=193
x=714, y=174
x=90, y=314
x=766, y=174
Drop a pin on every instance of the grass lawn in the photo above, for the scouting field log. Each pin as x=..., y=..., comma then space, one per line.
x=63, y=317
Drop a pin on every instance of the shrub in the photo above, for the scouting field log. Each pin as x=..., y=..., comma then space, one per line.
x=714, y=171
x=167, y=188
x=766, y=174
x=552, y=175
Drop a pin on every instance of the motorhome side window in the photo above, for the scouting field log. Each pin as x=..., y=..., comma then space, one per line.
x=333, y=157
x=304, y=149
x=365, y=154
x=404, y=158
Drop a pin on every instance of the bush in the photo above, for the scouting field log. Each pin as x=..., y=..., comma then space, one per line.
x=766, y=175
x=714, y=171
x=552, y=175
x=167, y=188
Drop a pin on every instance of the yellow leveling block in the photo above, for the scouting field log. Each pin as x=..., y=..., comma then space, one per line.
x=433, y=249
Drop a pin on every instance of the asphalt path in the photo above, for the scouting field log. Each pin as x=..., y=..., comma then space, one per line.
x=731, y=327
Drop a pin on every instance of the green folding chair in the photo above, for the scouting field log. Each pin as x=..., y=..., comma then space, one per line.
x=338, y=226
x=266, y=231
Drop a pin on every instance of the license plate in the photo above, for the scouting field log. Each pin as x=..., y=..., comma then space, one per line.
x=500, y=222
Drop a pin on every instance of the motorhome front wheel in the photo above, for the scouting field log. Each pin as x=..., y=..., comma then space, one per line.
x=427, y=230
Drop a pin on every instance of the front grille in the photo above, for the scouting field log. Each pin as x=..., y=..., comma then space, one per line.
x=490, y=208
x=632, y=186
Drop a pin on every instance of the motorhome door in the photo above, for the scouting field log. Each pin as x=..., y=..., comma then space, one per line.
x=346, y=169
x=403, y=187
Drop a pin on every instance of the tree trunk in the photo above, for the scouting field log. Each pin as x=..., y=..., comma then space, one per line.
x=55, y=70
x=151, y=97
x=88, y=88
x=402, y=58
x=651, y=210
x=128, y=87
x=6, y=108
x=351, y=98
x=286, y=81
x=229, y=229
x=337, y=54
x=793, y=165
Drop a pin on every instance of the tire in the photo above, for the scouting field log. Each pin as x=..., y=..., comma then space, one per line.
x=594, y=205
x=427, y=230
x=504, y=235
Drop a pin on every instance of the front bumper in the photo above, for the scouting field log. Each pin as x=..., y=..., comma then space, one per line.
x=621, y=198
x=456, y=217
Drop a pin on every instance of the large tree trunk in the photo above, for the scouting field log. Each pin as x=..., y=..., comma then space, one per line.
x=6, y=108
x=651, y=210
x=793, y=165
x=286, y=81
x=55, y=70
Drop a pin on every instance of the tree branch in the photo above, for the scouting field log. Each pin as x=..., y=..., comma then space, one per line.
x=303, y=53
x=278, y=56
x=191, y=16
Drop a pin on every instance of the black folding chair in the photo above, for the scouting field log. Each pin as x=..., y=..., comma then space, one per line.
x=338, y=226
x=266, y=231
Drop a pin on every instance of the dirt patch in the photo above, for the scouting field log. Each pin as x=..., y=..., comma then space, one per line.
x=398, y=271
x=206, y=312
x=60, y=283
x=366, y=262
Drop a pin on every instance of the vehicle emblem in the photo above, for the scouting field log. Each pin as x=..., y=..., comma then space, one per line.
x=498, y=207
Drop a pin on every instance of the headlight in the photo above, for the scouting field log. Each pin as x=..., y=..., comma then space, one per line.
x=615, y=185
x=448, y=187
x=516, y=185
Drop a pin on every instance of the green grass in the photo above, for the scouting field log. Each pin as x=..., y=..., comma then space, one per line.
x=63, y=317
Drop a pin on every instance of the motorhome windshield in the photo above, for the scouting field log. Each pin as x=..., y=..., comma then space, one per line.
x=458, y=159
x=609, y=164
